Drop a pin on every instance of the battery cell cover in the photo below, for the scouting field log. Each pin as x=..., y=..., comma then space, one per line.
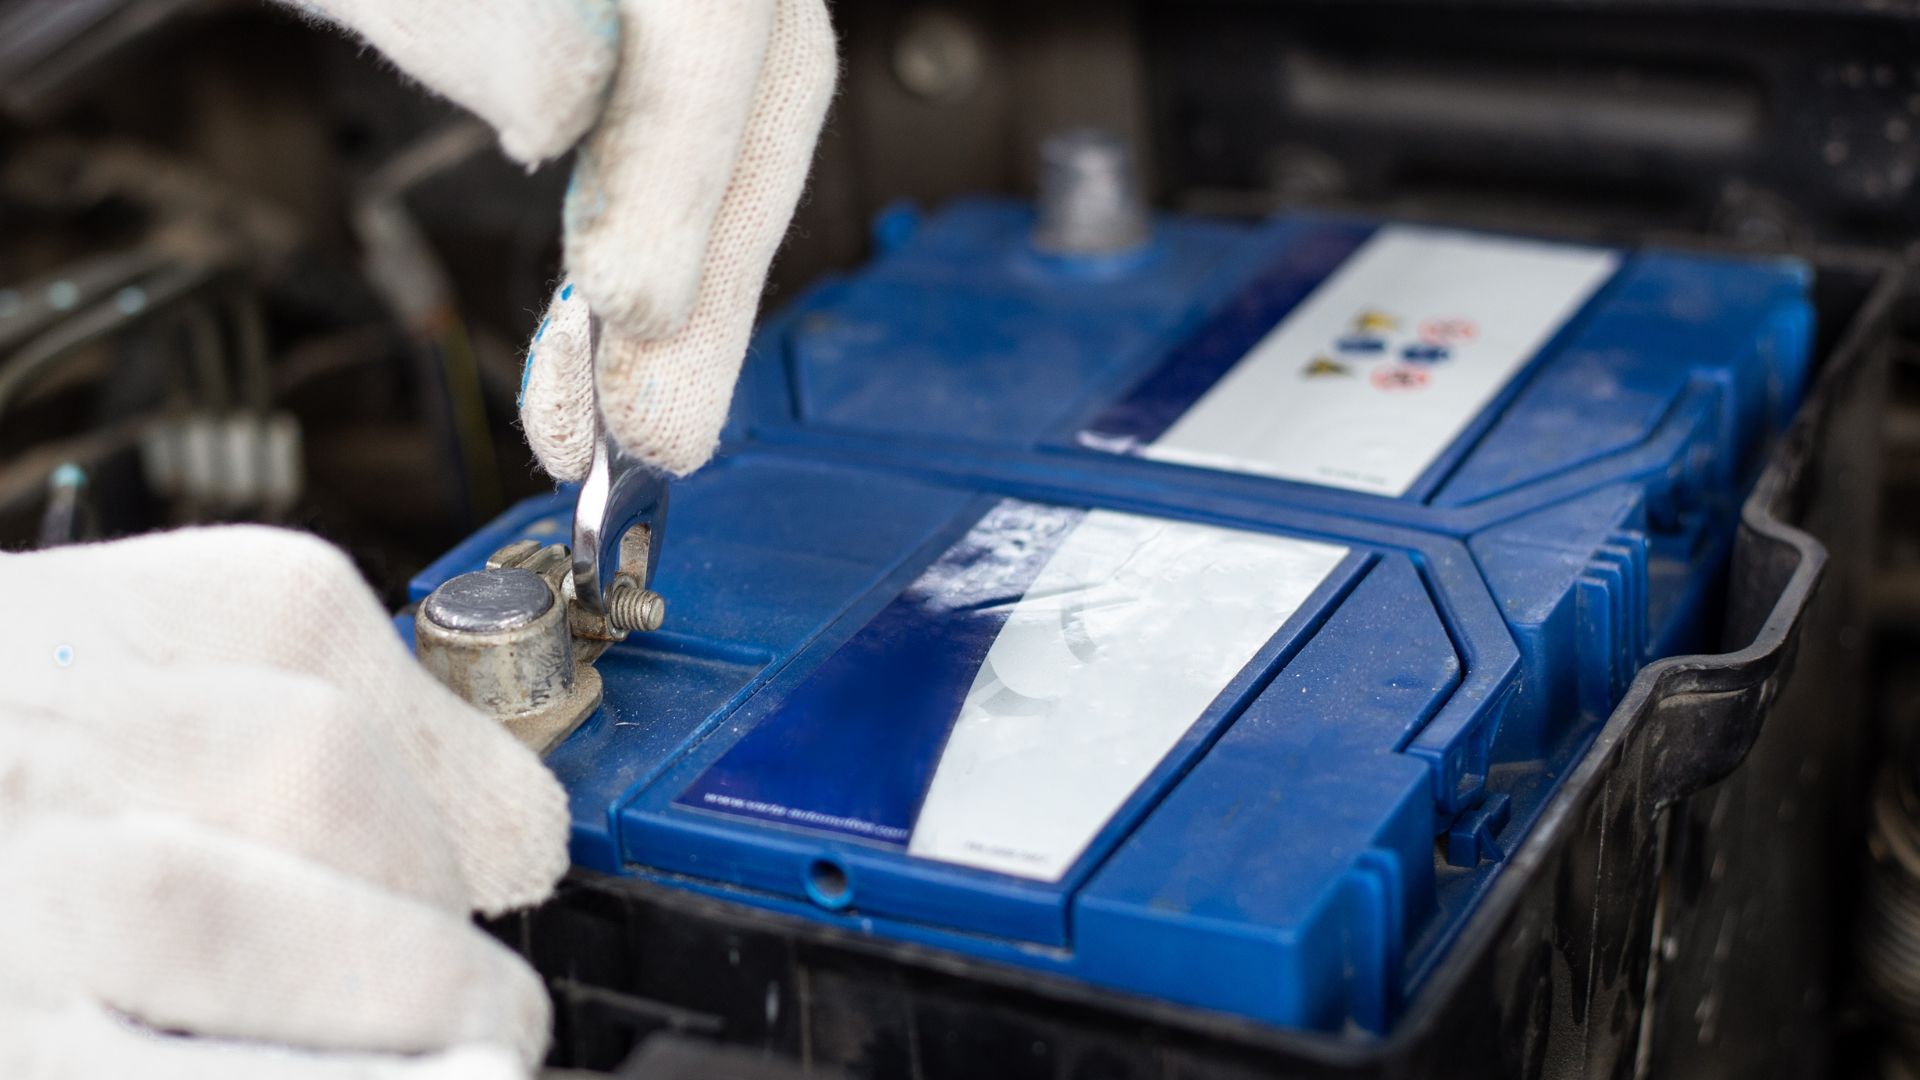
x=1008, y=627
x=1415, y=374
x=1601, y=410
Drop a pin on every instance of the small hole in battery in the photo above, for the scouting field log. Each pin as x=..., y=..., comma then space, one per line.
x=827, y=884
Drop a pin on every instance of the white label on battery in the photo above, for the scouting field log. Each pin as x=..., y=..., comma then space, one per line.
x=1376, y=373
x=1129, y=633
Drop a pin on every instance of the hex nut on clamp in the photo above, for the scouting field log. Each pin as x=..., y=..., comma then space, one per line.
x=499, y=638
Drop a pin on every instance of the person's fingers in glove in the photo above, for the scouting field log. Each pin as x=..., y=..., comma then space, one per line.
x=556, y=390
x=188, y=930
x=91, y=1041
x=650, y=176
x=274, y=600
x=285, y=760
x=664, y=395
x=705, y=115
x=232, y=806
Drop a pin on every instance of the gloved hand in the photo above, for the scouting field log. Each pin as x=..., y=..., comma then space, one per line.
x=695, y=122
x=232, y=805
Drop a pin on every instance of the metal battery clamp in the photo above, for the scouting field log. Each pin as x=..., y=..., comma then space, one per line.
x=518, y=639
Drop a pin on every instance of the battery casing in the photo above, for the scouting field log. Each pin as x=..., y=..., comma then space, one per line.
x=1302, y=848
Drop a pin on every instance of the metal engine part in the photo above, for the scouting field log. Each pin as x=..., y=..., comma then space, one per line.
x=1889, y=930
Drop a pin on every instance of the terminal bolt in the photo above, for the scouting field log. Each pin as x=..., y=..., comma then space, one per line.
x=635, y=608
x=1090, y=200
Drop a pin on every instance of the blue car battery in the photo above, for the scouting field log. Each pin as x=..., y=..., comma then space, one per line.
x=1607, y=406
x=1191, y=755
x=1235, y=758
x=1026, y=617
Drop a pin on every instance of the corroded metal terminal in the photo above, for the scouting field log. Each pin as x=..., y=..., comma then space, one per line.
x=512, y=639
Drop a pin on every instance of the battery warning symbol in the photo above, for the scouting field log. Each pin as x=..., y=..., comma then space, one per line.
x=1448, y=331
x=1397, y=379
x=1375, y=322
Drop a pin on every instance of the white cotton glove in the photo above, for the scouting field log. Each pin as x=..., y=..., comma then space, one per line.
x=234, y=809
x=699, y=120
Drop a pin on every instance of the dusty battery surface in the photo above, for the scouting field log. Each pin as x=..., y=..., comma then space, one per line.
x=1007, y=628
x=1586, y=418
x=1440, y=377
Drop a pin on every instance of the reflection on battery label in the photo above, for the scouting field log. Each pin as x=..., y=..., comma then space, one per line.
x=1003, y=708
